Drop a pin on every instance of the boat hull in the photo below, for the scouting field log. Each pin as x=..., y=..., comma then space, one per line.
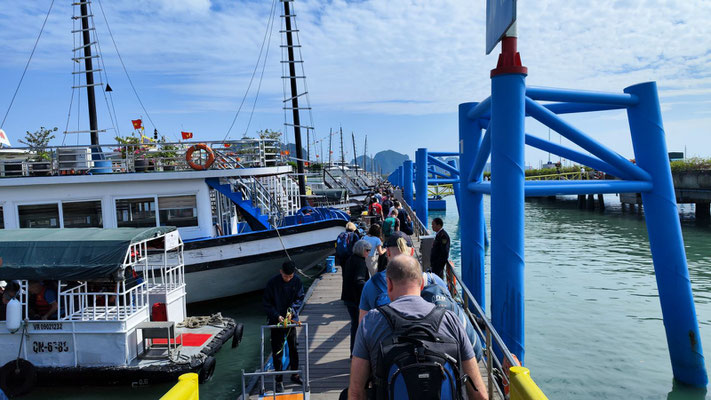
x=231, y=265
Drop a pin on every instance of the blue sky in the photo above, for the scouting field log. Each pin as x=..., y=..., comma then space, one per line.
x=394, y=70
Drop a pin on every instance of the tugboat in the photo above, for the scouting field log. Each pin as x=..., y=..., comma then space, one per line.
x=106, y=306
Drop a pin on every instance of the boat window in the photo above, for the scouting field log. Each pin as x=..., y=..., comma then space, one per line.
x=2, y=219
x=136, y=213
x=39, y=216
x=178, y=211
x=82, y=214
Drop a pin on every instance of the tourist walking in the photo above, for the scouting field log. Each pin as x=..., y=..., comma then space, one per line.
x=355, y=275
x=374, y=238
x=440, y=248
x=345, y=242
x=376, y=351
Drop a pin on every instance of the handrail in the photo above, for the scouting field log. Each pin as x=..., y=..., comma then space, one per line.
x=421, y=229
x=522, y=386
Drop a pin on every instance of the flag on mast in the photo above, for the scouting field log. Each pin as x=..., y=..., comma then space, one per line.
x=137, y=124
x=3, y=138
x=187, y=135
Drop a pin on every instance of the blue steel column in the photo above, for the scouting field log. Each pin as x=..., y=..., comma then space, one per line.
x=665, y=239
x=400, y=176
x=507, y=201
x=471, y=214
x=407, y=187
x=455, y=187
x=421, y=185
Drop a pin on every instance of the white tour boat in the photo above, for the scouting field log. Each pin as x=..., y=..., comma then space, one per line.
x=106, y=306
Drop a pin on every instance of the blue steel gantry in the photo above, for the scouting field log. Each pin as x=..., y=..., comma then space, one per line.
x=496, y=127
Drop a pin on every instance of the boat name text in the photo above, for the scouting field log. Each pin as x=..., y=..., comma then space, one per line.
x=47, y=326
x=50, y=347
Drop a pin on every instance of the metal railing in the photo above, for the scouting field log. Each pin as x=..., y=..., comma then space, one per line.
x=496, y=368
x=82, y=303
x=135, y=157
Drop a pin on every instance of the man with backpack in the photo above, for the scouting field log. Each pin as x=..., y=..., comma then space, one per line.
x=345, y=242
x=391, y=224
x=390, y=336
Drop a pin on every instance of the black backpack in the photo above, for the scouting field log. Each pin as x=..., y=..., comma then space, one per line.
x=416, y=361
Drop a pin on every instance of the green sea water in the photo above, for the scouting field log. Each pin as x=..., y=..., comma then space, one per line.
x=593, y=323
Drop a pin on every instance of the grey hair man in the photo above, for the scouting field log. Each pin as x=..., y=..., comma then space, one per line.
x=405, y=281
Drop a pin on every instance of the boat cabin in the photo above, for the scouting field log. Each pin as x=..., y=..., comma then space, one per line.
x=101, y=284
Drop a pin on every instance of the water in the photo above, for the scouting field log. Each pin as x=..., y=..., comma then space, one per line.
x=593, y=322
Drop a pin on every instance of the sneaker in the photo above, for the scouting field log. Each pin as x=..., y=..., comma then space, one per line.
x=297, y=379
x=280, y=387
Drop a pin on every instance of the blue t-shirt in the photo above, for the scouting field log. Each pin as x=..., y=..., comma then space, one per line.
x=50, y=295
x=373, y=329
x=377, y=285
x=374, y=241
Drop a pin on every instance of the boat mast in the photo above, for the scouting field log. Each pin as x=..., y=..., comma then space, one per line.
x=365, y=155
x=343, y=157
x=89, y=70
x=330, y=139
x=294, y=100
x=355, y=155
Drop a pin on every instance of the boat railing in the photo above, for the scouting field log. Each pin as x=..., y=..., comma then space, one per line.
x=148, y=156
x=84, y=303
x=497, y=367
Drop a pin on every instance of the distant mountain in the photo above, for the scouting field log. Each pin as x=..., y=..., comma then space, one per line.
x=387, y=160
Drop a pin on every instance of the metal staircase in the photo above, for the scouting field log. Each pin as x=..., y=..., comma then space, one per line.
x=252, y=214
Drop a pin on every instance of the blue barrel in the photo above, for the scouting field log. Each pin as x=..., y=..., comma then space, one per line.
x=331, y=264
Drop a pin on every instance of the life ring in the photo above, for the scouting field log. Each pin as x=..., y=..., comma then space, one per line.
x=237, y=336
x=17, y=377
x=193, y=164
x=207, y=370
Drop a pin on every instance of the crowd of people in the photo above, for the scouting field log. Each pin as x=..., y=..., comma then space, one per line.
x=41, y=301
x=397, y=310
x=391, y=301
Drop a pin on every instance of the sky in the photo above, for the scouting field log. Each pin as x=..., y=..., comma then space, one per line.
x=394, y=70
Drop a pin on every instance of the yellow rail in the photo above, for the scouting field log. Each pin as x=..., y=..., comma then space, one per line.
x=522, y=387
x=185, y=389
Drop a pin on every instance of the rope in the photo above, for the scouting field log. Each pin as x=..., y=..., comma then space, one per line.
x=270, y=23
x=108, y=28
x=200, y=321
x=27, y=65
x=261, y=76
x=302, y=273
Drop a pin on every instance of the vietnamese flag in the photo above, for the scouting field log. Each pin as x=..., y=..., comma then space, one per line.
x=187, y=135
x=137, y=123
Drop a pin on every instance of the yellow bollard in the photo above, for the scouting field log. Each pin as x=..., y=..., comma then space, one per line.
x=522, y=387
x=185, y=389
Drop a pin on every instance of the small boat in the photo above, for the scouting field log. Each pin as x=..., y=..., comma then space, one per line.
x=105, y=306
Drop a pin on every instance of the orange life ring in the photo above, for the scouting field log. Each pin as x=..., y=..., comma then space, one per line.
x=193, y=164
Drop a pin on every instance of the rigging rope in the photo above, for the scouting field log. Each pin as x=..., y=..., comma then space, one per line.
x=108, y=28
x=261, y=76
x=27, y=65
x=270, y=23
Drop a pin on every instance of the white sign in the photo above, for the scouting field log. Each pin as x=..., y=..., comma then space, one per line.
x=3, y=138
x=500, y=15
x=172, y=240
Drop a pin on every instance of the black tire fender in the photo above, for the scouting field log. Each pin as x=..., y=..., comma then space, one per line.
x=237, y=336
x=207, y=370
x=17, y=377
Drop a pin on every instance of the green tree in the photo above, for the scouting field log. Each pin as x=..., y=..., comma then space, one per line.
x=269, y=134
x=38, y=141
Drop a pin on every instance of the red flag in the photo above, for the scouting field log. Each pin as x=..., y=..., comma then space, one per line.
x=137, y=123
x=187, y=135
